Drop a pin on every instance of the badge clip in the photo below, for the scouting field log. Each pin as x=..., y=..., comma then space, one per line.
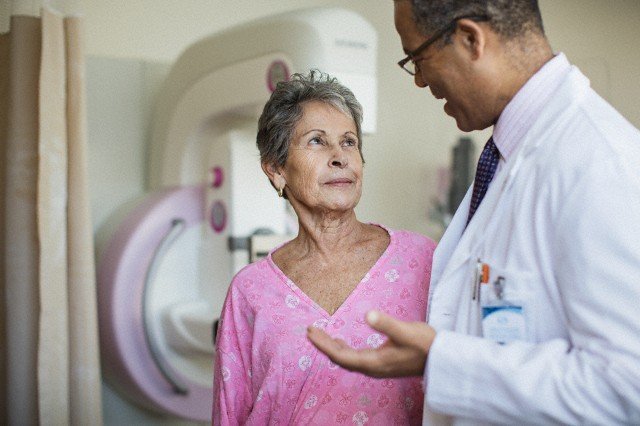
x=498, y=287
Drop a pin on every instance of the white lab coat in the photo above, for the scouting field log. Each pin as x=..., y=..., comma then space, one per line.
x=562, y=222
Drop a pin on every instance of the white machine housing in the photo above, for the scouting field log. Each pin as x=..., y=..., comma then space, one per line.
x=226, y=75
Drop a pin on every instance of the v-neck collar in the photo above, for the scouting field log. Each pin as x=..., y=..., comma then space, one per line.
x=357, y=289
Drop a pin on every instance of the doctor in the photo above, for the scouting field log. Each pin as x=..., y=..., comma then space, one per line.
x=534, y=303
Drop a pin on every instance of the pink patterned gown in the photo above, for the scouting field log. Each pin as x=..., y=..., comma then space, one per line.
x=268, y=373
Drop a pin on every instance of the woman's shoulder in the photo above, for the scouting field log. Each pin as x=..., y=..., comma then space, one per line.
x=404, y=237
x=252, y=271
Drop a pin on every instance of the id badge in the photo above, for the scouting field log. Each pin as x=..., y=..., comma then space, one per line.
x=503, y=313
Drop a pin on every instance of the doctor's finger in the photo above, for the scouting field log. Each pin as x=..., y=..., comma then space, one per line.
x=341, y=353
x=401, y=332
x=324, y=342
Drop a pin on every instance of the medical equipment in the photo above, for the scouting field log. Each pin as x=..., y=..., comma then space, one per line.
x=164, y=270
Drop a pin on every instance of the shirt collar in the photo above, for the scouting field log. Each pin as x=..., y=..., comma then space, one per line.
x=525, y=107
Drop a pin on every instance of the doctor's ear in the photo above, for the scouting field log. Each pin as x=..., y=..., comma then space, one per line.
x=472, y=36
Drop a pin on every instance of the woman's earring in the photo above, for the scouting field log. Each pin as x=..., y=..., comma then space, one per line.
x=280, y=194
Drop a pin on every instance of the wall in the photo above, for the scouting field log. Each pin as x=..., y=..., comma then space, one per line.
x=414, y=136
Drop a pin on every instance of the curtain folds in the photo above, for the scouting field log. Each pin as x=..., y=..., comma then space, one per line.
x=48, y=332
x=4, y=94
x=21, y=240
x=84, y=393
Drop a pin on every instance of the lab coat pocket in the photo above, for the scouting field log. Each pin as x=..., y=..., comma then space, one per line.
x=506, y=305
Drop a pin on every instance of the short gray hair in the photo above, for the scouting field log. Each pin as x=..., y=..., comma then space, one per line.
x=283, y=111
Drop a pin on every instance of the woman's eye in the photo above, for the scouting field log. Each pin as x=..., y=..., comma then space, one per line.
x=350, y=142
x=316, y=141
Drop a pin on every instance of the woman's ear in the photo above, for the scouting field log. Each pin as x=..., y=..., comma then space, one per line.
x=274, y=174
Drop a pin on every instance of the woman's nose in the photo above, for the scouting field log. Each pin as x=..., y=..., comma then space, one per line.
x=339, y=159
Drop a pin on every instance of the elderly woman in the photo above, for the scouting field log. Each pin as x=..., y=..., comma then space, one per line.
x=329, y=276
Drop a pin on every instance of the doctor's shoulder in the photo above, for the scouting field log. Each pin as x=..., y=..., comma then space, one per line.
x=594, y=132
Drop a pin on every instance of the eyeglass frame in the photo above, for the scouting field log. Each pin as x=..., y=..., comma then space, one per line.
x=411, y=56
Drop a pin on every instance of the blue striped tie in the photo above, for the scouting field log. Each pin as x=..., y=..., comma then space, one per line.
x=487, y=165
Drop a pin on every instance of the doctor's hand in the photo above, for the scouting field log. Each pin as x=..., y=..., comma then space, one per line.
x=403, y=354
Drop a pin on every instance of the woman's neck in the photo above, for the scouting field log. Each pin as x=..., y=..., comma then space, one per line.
x=326, y=234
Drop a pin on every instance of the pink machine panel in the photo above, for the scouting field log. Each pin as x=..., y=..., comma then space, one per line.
x=127, y=359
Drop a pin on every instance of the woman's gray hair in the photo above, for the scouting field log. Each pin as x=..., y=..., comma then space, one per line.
x=283, y=111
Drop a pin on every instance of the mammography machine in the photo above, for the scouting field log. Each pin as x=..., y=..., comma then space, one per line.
x=164, y=270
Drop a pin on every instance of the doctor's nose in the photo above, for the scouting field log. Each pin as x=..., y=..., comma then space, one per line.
x=419, y=80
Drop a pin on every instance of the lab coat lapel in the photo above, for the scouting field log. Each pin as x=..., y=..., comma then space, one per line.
x=454, y=246
x=451, y=262
x=448, y=248
x=450, y=238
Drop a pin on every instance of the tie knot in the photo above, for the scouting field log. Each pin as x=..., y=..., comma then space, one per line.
x=490, y=149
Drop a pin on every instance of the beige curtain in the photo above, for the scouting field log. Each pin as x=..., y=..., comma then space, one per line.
x=50, y=372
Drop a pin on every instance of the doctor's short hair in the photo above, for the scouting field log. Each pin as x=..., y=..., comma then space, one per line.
x=511, y=19
x=283, y=111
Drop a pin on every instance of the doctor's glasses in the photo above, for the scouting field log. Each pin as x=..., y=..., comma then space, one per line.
x=410, y=62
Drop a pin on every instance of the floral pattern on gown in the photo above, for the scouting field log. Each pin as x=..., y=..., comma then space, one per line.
x=268, y=373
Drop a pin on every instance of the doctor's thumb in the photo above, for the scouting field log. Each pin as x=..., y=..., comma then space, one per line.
x=393, y=328
x=413, y=334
